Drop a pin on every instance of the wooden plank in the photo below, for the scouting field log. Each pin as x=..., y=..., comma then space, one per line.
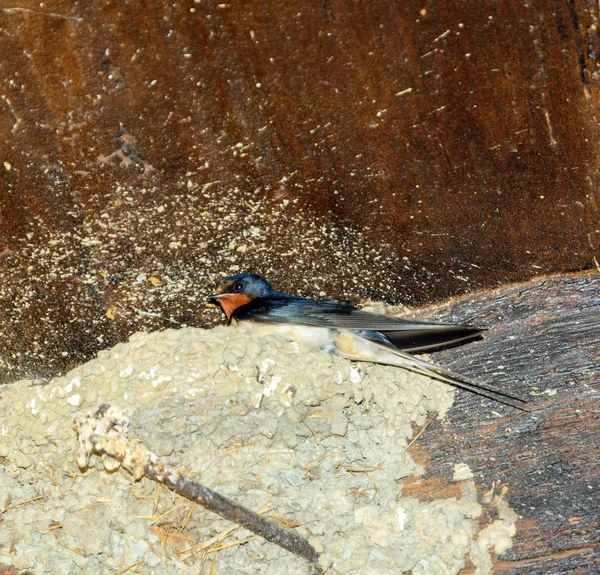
x=544, y=339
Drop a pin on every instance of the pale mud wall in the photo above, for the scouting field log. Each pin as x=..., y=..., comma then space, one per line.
x=321, y=442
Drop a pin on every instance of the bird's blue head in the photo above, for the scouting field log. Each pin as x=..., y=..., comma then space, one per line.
x=238, y=290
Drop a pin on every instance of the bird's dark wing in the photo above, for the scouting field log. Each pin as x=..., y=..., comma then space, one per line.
x=403, y=334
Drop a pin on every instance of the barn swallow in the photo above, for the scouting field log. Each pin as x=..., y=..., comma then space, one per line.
x=341, y=328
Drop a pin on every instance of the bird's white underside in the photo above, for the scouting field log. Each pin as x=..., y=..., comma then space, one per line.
x=345, y=343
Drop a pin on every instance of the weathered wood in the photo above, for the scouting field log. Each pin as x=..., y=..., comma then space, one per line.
x=432, y=148
x=544, y=338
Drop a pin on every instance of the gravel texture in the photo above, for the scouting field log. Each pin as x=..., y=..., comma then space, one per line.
x=319, y=441
x=145, y=260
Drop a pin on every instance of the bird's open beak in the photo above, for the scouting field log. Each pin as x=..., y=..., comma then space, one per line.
x=214, y=299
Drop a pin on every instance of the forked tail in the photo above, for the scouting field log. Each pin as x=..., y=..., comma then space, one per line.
x=422, y=367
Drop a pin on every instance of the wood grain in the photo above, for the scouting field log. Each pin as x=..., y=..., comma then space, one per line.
x=544, y=339
x=387, y=150
x=429, y=149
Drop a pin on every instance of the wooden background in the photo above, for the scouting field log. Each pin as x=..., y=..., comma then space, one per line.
x=423, y=150
x=543, y=339
x=371, y=149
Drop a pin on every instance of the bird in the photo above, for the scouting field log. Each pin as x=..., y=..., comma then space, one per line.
x=343, y=329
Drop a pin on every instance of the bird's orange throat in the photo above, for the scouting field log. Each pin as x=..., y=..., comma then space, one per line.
x=230, y=302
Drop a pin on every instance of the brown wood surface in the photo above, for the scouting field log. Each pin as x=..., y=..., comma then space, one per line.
x=370, y=149
x=543, y=339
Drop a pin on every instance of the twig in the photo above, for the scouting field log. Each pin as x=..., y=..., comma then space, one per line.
x=232, y=544
x=18, y=504
x=131, y=567
x=361, y=469
x=422, y=431
x=188, y=515
x=53, y=527
x=313, y=433
x=104, y=433
x=419, y=434
x=173, y=534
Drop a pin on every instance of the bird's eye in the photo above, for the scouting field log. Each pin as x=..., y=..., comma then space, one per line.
x=238, y=286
